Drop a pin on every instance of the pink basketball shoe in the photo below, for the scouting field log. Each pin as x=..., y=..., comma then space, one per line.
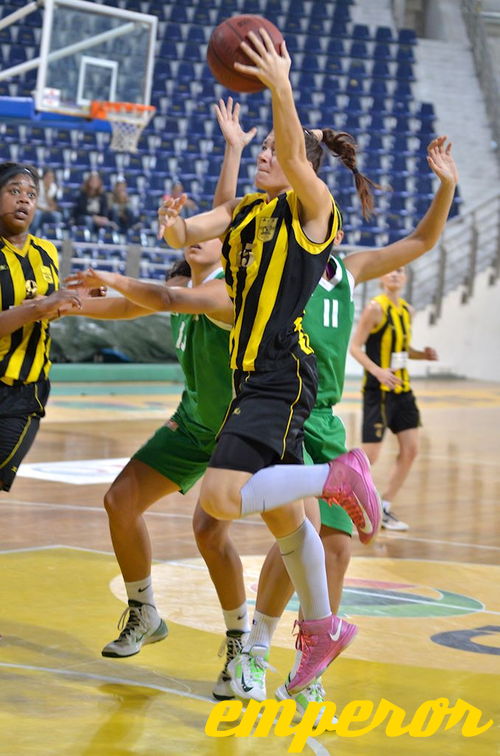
x=349, y=484
x=320, y=641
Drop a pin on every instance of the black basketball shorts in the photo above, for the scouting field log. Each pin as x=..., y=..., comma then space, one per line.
x=269, y=410
x=21, y=408
x=386, y=409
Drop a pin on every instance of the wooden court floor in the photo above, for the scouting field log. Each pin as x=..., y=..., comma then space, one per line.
x=427, y=601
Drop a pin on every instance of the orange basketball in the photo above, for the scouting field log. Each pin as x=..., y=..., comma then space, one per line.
x=224, y=50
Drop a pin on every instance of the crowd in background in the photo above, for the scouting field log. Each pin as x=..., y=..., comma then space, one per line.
x=95, y=206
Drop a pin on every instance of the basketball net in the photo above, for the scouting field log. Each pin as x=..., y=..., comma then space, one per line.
x=128, y=120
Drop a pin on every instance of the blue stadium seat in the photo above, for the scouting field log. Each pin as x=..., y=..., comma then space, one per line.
x=399, y=185
x=403, y=90
x=355, y=105
x=10, y=133
x=424, y=186
x=336, y=46
x=6, y=36
x=405, y=54
x=194, y=51
x=359, y=49
x=372, y=164
x=384, y=34
x=201, y=16
x=381, y=70
x=375, y=143
x=186, y=71
x=355, y=86
x=404, y=71
x=28, y=153
x=198, y=34
x=399, y=164
x=295, y=8
x=295, y=42
x=382, y=51
x=311, y=63
x=400, y=145
x=294, y=24
x=26, y=37
x=54, y=156
x=334, y=65
x=357, y=69
x=378, y=87
x=407, y=37
x=35, y=18
x=81, y=159
x=360, y=32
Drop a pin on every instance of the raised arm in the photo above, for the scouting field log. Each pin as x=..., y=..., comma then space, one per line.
x=227, y=114
x=377, y=262
x=210, y=298
x=370, y=318
x=183, y=232
x=273, y=70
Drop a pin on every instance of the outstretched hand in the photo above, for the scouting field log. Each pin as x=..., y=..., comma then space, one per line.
x=270, y=67
x=227, y=114
x=441, y=161
x=169, y=211
x=90, y=282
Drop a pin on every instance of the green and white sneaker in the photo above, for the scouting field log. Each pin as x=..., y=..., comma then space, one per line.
x=313, y=693
x=139, y=624
x=248, y=674
x=233, y=645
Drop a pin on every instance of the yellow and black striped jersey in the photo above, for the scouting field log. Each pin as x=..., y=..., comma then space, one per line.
x=271, y=269
x=24, y=274
x=392, y=337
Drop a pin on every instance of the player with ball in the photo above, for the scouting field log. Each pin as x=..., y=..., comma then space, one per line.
x=276, y=244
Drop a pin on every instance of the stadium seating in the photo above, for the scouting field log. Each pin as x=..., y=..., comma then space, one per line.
x=346, y=75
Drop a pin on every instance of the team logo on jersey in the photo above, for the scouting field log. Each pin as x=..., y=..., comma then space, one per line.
x=31, y=289
x=47, y=274
x=246, y=256
x=266, y=229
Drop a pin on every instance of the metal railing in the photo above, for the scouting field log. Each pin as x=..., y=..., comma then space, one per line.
x=471, y=10
x=469, y=245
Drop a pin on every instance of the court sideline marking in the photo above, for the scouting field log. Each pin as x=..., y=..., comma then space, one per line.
x=259, y=523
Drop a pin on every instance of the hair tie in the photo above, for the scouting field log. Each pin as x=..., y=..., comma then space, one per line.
x=355, y=170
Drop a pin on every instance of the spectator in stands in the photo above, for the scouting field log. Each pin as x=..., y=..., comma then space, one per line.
x=121, y=207
x=47, y=209
x=190, y=207
x=382, y=346
x=92, y=207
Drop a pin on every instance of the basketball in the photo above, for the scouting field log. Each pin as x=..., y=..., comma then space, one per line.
x=224, y=50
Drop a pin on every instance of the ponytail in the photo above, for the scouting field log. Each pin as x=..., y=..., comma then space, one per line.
x=342, y=145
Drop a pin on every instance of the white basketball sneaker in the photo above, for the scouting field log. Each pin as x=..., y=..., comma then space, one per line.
x=139, y=624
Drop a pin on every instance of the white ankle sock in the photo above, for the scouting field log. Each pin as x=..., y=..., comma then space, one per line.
x=261, y=634
x=141, y=590
x=237, y=619
x=304, y=557
x=274, y=486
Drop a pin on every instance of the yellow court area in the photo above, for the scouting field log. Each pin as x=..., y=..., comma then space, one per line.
x=74, y=701
x=426, y=601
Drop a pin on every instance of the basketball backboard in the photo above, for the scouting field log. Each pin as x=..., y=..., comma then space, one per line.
x=90, y=52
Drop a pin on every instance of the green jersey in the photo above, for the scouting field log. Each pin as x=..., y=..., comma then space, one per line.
x=202, y=348
x=328, y=322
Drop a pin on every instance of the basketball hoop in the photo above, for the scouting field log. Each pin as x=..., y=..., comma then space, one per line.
x=127, y=119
